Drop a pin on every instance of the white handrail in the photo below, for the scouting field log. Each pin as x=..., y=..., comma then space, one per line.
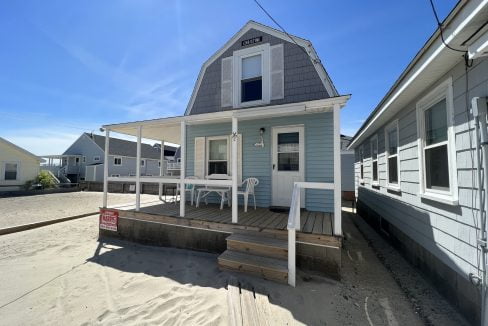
x=173, y=166
x=294, y=222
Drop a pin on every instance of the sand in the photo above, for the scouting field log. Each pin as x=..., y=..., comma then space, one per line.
x=61, y=275
x=29, y=209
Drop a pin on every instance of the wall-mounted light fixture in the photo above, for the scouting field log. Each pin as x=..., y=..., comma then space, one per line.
x=260, y=144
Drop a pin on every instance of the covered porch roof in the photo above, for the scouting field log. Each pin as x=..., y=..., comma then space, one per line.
x=168, y=129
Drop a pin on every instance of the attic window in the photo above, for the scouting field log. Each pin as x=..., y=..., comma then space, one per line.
x=251, y=79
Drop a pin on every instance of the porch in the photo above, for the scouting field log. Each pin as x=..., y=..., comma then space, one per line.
x=307, y=177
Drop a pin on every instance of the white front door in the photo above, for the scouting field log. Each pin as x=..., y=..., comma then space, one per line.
x=287, y=163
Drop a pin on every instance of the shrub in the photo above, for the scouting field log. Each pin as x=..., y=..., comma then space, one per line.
x=45, y=179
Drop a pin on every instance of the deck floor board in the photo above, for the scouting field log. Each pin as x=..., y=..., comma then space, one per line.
x=311, y=222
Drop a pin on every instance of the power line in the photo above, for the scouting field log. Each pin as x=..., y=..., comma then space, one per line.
x=439, y=24
x=317, y=60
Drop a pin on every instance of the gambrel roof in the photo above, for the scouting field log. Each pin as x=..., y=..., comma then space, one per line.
x=252, y=25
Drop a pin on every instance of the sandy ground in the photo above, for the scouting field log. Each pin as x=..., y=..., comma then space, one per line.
x=61, y=275
x=29, y=209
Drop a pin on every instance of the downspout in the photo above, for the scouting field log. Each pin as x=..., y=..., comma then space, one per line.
x=479, y=107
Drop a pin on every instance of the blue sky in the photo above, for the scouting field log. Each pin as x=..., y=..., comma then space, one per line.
x=68, y=67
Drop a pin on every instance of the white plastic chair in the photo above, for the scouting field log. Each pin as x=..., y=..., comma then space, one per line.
x=188, y=188
x=248, y=186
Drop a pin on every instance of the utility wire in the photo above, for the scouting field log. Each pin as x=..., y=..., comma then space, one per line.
x=439, y=24
x=314, y=60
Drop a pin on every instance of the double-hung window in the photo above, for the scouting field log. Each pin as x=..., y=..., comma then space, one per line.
x=218, y=155
x=143, y=162
x=10, y=171
x=117, y=161
x=251, y=79
x=438, y=176
x=392, y=158
x=374, y=160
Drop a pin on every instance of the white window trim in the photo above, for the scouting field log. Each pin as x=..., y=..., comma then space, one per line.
x=371, y=141
x=117, y=157
x=264, y=51
x=96, y=158
x=207, y=152
x=143, y=162
x=392, y=186
x=17, y=172
x=443, y=91
x=83, y=159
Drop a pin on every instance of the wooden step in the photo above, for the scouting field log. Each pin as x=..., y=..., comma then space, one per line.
x=265, y=267
x=258, y=244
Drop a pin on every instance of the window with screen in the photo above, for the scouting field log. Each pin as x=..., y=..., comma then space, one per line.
x=374, y=159
x=217, y=156
x=10, y=171
x=392, y=154
x=251, y=79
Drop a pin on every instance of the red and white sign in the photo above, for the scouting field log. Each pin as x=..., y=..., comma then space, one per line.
x=109, y=219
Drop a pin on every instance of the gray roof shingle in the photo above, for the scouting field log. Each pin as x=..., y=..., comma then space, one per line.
x=129, y=148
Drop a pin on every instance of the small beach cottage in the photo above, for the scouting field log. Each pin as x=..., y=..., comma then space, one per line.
x=416, y=170
x=262, y=122
x=84, y=159
x=17, y=166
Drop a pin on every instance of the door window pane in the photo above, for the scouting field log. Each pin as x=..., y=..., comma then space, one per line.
x=10, y=171
x=217, y=150
x=393, y=170
x=392, y=142
x=437, y=168
x=289, y=161
x=288, y=142
x=436, y=123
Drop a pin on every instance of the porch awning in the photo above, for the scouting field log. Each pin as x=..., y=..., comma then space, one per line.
x=169, y=129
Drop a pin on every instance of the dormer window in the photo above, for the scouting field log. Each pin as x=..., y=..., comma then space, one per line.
x=251, y=79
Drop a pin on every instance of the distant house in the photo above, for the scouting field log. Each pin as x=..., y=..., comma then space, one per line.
x=84, y=159
x=17, y=166
x=417, y=173
x=347, y=168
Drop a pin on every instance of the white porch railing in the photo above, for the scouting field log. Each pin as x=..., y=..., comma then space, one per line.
x=294, y=221
x=173, y=166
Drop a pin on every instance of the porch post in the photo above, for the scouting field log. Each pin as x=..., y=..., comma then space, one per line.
x=161, y=169
x=105, y=167
x=337, y=172
x=182, y=168
x=138, y=169
x=234, y=171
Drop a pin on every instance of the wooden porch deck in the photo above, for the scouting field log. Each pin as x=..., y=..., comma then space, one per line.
x=318, y=223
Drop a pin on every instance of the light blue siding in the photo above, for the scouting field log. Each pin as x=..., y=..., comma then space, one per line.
x=256, y=161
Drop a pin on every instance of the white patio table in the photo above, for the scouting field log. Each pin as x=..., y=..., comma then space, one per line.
x=222, y=191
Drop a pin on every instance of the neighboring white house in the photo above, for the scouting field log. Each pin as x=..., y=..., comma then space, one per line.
x=17, y=166
x=418, y=161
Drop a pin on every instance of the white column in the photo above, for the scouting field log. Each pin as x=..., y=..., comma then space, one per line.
x=182, y=168
x=291, y=257
x=105, y=167
x=234, y=171
x=138, y=168
x=337, y=172
x=161, y=169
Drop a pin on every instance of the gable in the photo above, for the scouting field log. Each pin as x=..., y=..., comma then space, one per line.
x=304, y=79
x=84, y=146
x=10, y=151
